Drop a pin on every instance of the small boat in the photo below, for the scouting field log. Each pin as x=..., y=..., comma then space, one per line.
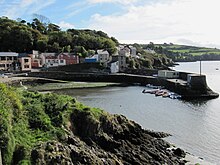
x=166, y=94
x=159, y=93
x=174, y=96
x=150, y=91
x=154, y=86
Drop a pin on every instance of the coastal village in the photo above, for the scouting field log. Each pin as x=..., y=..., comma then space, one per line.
x=26, y=62
x=55, y=79
x=185, y=84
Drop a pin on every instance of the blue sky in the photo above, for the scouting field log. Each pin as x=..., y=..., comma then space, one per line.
x=191, y=22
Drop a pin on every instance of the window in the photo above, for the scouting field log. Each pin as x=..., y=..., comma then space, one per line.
x=26, y=66
x=61, y=61
x=26, y=60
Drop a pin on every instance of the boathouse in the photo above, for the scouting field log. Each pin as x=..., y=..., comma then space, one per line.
x=168, y=74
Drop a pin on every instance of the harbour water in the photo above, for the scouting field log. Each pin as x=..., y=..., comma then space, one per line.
x=194, y=125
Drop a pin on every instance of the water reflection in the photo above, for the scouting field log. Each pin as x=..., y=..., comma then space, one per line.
x=196, y=102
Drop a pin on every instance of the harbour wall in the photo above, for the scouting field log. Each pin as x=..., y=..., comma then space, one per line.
x=196, y=89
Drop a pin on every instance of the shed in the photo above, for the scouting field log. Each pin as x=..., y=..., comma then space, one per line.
x=168, y=74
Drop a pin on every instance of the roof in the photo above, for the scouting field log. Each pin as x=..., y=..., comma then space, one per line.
x=102, y=52
x=10, y=54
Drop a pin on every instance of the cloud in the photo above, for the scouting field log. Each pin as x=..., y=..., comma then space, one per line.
x=17, y=9
x=65, y=25
x=163, y=21
x=113, y=1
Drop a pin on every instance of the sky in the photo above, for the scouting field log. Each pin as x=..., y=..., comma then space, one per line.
x=189, y=22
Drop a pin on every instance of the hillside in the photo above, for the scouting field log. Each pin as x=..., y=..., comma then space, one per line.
x=21, y=36
x=55, y=129
x=189, y=53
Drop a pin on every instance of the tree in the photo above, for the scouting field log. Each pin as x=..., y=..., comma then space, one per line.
x=38, y=25
x=52, y=27
x=41, y=45
x=109, y=45
x=21, y=39
x=80, y=50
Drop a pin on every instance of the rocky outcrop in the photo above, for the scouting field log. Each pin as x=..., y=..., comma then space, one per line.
x=106, y=140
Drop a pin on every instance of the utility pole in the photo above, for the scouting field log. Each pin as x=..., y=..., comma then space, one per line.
x=200, y=67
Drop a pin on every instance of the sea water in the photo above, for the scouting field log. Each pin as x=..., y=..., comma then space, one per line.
x=194, y=125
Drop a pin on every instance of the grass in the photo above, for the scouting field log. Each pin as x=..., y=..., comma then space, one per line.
x=69, y=85
x=192, y=50
x=30, y=118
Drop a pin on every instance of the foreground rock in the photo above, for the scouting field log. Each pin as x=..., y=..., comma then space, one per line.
x=106, y=139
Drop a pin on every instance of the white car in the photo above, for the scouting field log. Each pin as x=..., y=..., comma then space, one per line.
x=3, y=76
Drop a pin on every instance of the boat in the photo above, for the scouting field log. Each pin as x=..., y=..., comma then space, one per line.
x=166, y=94
x=150, y=91
x=159, y=93
x=154, y=86
x=174, y=96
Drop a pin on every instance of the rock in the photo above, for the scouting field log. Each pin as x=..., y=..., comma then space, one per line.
x=107, y=140
x=179, y=152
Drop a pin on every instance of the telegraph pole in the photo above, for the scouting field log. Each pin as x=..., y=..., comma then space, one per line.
x=200, y=67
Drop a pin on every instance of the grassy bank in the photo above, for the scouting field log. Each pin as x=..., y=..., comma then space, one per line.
x=28, y=119
x=68, y=85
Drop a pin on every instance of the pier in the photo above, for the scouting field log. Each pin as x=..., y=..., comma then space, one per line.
x=188, y=85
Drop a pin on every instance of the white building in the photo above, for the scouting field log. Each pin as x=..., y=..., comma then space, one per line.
x=133, y=51
x=103, y=56
x=168, y=74
x=6, y=60
x=114, y=67
x=51, y=62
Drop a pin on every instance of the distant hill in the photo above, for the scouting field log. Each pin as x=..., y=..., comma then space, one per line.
x=189, y=53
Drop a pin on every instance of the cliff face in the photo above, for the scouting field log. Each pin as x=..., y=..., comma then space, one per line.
x=112, y=139
x=53, y=129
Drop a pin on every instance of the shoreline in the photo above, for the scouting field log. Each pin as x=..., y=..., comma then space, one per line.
x=189, y=157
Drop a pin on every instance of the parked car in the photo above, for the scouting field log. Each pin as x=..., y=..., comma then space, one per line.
x=3, y=76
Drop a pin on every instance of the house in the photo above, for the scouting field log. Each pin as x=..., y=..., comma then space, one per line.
x=7, y=59
x=43, y=56
x=51, y=61
x=125, y=51
x=121, y=61
x=133, y=51
x=25, y=63
x=37, y=60
x=103, y=56
x=69, y=58
x=168, y=74
x=114, y=67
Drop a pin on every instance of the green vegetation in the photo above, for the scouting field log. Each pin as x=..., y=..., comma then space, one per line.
x=30, y=118
x=188, y=53
x=21, y=36
x=149, y=60
x=68, y=85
